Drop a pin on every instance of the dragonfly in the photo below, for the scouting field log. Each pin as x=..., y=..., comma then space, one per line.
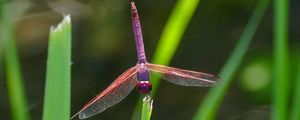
x=139, y=77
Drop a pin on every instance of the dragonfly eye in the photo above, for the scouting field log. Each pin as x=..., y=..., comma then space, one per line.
x=144, y=87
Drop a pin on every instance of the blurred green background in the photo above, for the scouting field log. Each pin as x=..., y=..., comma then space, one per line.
x=103, y=47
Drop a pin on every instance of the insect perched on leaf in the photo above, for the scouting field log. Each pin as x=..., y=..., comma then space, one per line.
x=138, y=76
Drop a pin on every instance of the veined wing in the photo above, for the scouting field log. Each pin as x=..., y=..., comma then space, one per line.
x=115, y=92
x=183, y=77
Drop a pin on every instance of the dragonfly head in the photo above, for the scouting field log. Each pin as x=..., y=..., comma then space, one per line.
x=144, y=87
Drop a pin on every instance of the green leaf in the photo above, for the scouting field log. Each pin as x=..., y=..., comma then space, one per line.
x=58, y=78
x=15, y=86
x=210, y=104
x=281, y=70
x=147, y=107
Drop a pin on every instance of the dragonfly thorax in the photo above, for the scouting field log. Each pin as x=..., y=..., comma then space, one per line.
x=144, y=87
x=142, y=72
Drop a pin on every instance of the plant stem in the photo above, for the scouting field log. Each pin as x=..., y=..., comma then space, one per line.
x=147, y=108
x=15, y=86
x=280, y=85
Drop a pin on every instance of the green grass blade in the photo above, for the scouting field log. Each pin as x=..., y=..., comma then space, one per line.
x=1, y=43
x=211, y=102
x=280, y=85
x=58, y=78
x=147, y=107
x=170, y=39
x=172, y=34
x=295, y=114
x=15, y=86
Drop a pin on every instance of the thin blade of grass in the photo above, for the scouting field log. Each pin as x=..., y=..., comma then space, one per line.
x=280, y=84
x=58, y=78
x=169, y=41
x=1, y=34
x=209, y=106
x=147, y=107
x=172, y=35
x=15, y=86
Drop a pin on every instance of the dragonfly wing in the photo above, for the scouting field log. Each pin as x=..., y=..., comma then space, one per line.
x=183, y=77
x=115, y=92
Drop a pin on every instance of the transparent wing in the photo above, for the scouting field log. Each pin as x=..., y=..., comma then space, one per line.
x=183, y=77
x=115, y=92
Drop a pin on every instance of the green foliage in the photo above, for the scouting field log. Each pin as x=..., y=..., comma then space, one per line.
x=15, y=86
x=281, y=70
x=58, y=78
x=172, y=34
x=57, y=98
x=147, y=107
x=210, y=104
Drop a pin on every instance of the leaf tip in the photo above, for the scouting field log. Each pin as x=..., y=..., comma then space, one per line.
x=66, y=20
